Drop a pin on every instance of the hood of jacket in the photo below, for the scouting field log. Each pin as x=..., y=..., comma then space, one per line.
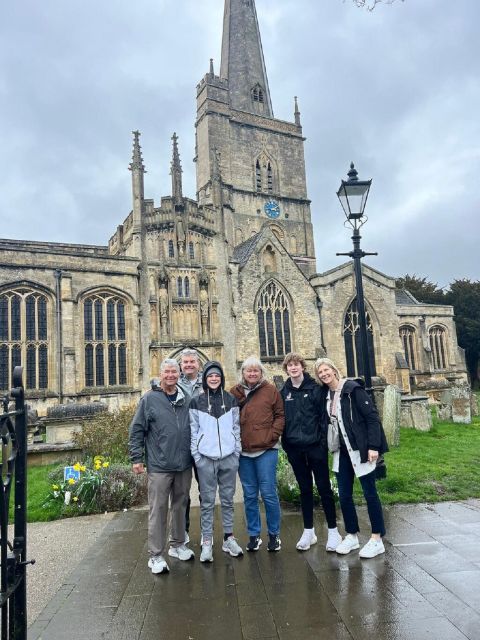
x=210, y=365
x=350, y=384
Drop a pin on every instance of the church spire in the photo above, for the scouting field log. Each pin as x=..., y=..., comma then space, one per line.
x=138, y=170
x=176, y=172
x=242, y=59
x=297, y=113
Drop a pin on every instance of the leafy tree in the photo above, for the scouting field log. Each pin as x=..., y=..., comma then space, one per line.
x=371, y=4
x=464, y=295
x=422, y=289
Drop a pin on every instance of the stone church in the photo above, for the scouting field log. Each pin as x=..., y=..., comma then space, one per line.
x=231, y=273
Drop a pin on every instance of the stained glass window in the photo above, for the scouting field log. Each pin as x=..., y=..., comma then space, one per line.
x=105, y=340
x=353, y=346
x=409, y=342
x=437, y=337
x=273, y=322
x=24, y=337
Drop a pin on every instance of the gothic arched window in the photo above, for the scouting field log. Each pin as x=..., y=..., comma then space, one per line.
x=409, y=342
x=24, y=337
x=438, y=345
x=187, y=287
x=191, y=251
x=258, y=176
x=180, y=287
x=269, y=178
x=353, y=347
x=105, y=340
x=171, y=250
x=273, y=316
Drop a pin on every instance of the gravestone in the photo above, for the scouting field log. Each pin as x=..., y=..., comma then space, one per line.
x=461, y=407
x=455, y=404
x=391, y=414
x=415, y=413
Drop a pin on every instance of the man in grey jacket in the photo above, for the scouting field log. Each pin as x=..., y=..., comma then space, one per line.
x=160, y=437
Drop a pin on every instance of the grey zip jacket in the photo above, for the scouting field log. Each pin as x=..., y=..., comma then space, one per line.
x=160, y=432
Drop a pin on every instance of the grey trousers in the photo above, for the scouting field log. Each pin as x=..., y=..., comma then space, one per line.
x=213, y=474
x=162, y=488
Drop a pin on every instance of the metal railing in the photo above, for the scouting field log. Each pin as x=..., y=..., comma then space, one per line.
x=13, y=473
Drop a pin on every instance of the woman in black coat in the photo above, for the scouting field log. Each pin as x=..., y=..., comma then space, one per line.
x=361, y=441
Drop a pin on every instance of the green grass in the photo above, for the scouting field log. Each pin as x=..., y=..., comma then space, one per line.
x=38, y=487
x=442, y=464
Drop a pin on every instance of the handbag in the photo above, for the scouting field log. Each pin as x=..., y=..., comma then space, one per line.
x=380, y=468
x=333, y=436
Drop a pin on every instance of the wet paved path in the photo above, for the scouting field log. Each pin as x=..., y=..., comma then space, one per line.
x=427, y=585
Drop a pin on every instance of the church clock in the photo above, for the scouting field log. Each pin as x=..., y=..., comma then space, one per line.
x=272, y=209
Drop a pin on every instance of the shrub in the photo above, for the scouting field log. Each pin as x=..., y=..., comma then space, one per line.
x=106, y=435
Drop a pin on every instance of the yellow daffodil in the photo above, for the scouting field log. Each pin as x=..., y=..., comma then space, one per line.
x=75, y=498
x=83, y=468
x=71, y=481
x=77, y=466
x=105, y=465
x=55, y=487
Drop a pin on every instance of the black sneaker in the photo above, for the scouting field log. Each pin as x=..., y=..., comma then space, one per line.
x=274, y=542
x=254, y=543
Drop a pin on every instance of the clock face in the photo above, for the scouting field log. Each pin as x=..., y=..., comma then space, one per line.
x=272, y=209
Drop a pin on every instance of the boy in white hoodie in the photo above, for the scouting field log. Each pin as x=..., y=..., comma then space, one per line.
x=215, y=447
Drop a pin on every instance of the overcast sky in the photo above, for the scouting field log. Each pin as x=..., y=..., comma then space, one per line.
x=396, y=90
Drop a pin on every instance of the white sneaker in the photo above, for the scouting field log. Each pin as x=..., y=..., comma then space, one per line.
x=231, y=546
x=157, y=564
x=334, y=539
x=207, y=552
x=181, y=552
x=308, y=538
x=349, y=543
x=372, y=548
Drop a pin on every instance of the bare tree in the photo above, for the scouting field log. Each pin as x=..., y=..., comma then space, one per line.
x=371, y=4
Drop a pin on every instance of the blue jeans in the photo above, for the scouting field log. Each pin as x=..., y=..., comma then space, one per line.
x=259, y=475
x=345, y=478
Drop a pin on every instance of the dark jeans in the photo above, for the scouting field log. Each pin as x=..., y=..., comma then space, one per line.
x=187, y=511
x=305, y=463
x=345, y=478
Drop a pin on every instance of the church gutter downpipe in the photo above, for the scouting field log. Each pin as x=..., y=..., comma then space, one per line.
x=59, y=332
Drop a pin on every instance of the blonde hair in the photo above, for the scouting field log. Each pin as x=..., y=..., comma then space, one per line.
x=252, y=361
x=328, y=363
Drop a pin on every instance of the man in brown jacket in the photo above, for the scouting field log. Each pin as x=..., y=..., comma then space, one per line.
x=261, y=424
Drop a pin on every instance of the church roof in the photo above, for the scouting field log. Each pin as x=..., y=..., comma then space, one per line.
x=243, y=251
x=402, y=296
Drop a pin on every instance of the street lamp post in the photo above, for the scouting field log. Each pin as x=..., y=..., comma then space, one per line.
x=353, y=194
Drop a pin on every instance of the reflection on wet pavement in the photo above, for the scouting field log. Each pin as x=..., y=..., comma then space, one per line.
x=427, y=585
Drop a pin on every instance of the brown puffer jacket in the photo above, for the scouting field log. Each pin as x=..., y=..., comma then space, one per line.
x=262, y=417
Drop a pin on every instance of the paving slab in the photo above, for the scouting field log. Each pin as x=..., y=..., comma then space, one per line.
x=426, y=585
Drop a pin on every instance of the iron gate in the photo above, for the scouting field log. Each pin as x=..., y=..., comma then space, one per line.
x=13, y=469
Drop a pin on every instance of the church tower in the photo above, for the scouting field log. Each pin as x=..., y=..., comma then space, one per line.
x=258, y=159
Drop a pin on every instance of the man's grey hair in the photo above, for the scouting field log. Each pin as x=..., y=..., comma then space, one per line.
x=190, y=352
x=169, y=362
x=252, y=361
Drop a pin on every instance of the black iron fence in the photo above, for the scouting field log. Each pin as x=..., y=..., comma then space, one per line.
x=13, y=472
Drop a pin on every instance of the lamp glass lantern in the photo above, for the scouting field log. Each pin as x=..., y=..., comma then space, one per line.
x=353, y=194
